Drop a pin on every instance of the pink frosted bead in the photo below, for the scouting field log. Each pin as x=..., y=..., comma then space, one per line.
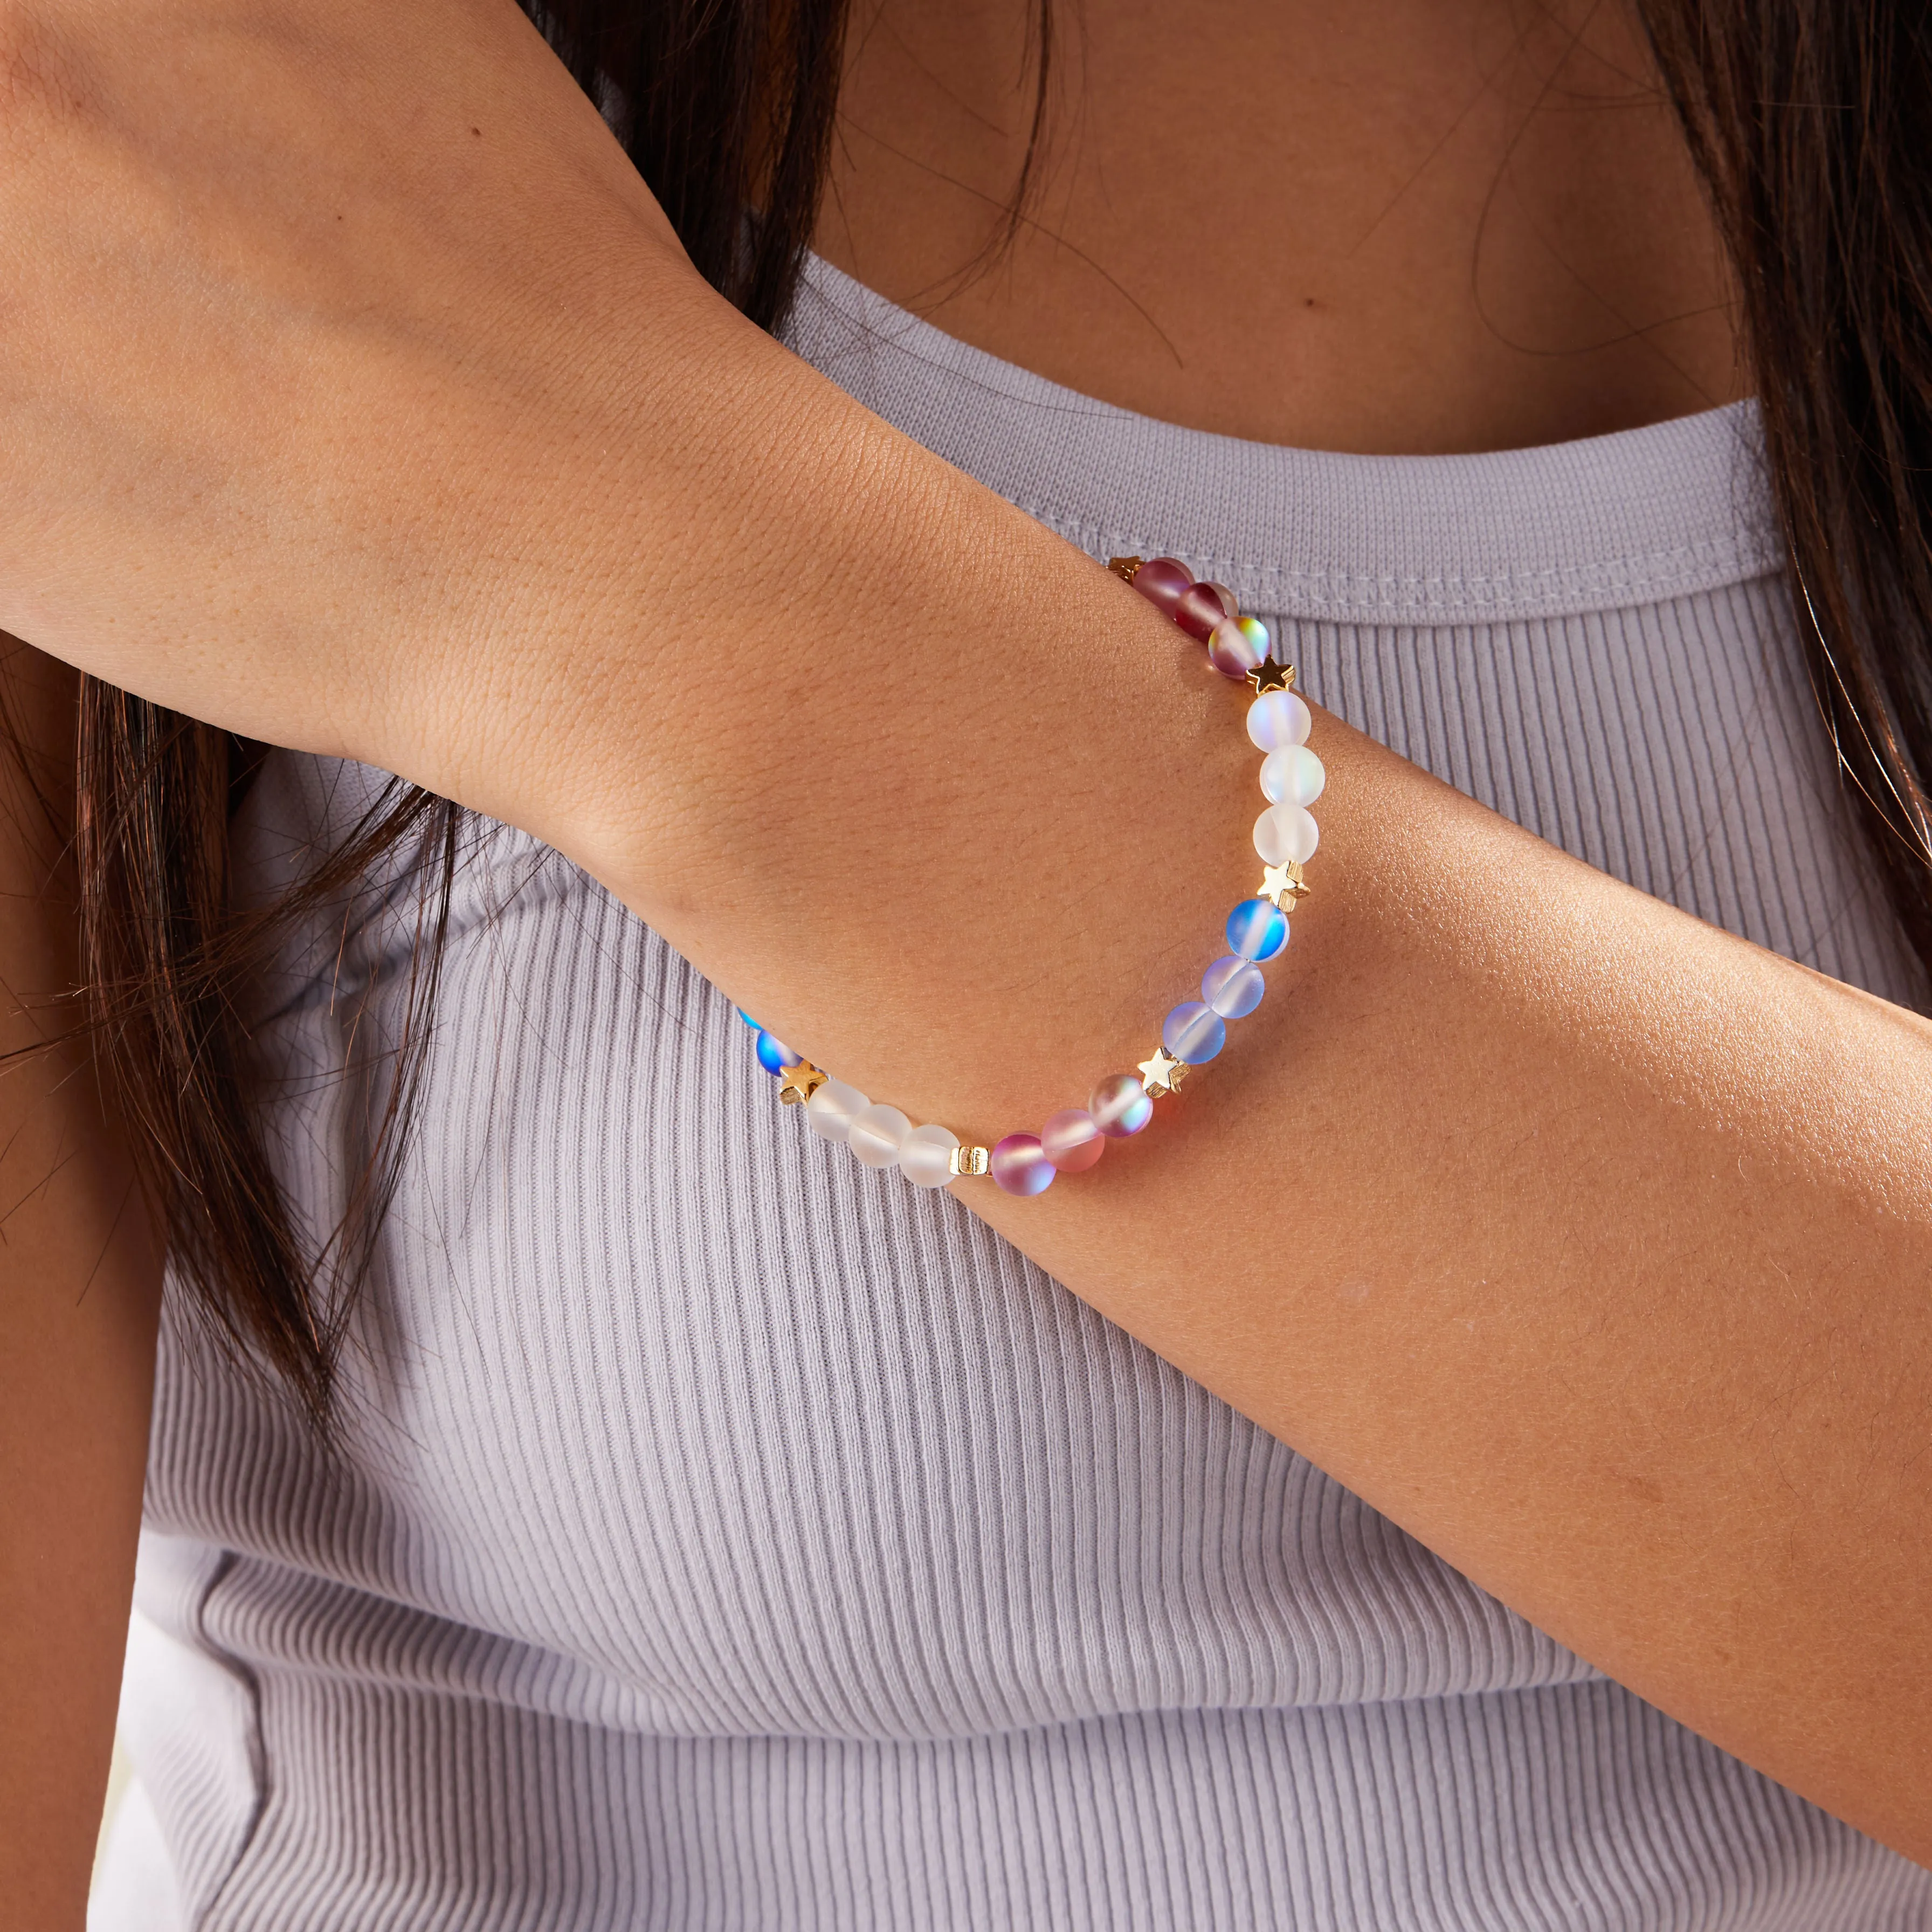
x=1071, y=1142
x=1020, y=1165
x=1162, y=582
x=1119, y=1106
x=1198, y=610
x=1236, y=645
x=1226, y=596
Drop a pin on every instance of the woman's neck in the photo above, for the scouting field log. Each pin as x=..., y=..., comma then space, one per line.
x=1371, y=225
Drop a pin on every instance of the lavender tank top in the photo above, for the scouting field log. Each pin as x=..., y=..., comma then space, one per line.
x=724, y=1535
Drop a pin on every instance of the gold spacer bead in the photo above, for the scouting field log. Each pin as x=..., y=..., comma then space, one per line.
x=1161, y=1074
x=1123, y=567
x=799, y=1083
x=1280, y=882
x=968, y=1161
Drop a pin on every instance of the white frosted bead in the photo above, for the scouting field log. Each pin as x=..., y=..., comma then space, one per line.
x=833, y=1107
x=1293, y=775
x=923, y=1158
x=877, y=1135
x=1285, y=835
x=1278, y=718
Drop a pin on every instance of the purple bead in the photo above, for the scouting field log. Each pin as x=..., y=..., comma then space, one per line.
x=1236, y=645
x=1233, y=987
x=1071, y=1142
x=1198, y=610
x=1020, y=1165
x=1119, y=1105
x=1193, y=1033
x=1163, y=584
x=774, y=1056
x=1257, y=929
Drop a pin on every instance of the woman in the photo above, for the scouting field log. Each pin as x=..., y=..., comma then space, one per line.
x=580, y=1495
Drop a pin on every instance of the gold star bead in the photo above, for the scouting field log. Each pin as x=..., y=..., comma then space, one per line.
x=1123, y=567
x=1284, y=882
x=1272, y=675
x=799, y=1083
x=1162, y=1074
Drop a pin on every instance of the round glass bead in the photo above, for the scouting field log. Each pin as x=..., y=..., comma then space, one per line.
x=774, y=1056
x=1193, y=1033
x=1198, y=609
x=1020, y=1165
x=877, y=1135
x=1293, y=775
x=833, y=1107
x=748, y=1019
x=1257, y=929
x=1071, y=1142
x=925, y=1156
x=1163, y=583
x=1237, y=644
x=1233, y=987
x=1278, y=718
x=1285, y=835
x=1226, y=596
x=1119, y=1105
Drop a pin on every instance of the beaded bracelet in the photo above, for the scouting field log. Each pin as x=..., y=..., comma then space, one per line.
x=1194, y=1032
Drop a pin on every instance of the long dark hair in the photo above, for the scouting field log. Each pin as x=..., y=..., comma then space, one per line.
x=1811, y=123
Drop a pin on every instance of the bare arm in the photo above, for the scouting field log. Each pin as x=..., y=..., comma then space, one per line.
x=1591, y=1244
x=78, y=1295
x=1587, y=1242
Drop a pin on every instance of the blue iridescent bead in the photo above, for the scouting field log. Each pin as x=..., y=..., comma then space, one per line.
x=774, y=1056
x=1233, y=987
x=1257, y=929
x=748, y=1019
x=1193, y=1033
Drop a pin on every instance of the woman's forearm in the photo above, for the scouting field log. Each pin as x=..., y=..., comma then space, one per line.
x=1588, y=1242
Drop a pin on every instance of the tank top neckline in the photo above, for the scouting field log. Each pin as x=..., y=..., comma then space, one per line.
x=1669, y=510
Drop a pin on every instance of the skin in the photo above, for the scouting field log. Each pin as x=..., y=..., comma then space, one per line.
x=77, y=1317
x=1405, y=226
x=353, y=395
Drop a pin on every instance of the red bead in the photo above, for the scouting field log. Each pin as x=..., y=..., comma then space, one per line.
x=1162, y=582
x=1199, y=610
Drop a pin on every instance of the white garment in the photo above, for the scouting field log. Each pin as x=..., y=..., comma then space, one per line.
x=726, y=1535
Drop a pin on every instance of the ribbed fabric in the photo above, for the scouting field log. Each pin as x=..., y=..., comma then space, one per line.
x=724, y=1535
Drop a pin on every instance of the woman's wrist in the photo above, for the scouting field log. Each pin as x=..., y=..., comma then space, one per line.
x=908, y=823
